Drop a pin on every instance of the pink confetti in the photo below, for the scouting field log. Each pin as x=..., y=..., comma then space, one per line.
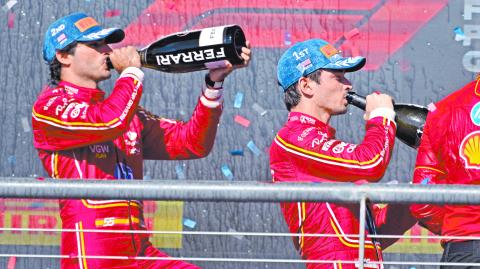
x=112, y=13
x=11, y=262
x=171, y=5
x=355, y=51
x=346, y=48
x=353, y=33
x=360, y=182
x=349, y=49
x=404, y=65
x=242, y=121
x=431, y=107
x=11, y=20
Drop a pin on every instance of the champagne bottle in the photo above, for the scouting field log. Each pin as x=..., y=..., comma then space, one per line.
x=194, y=50
x=410, y=119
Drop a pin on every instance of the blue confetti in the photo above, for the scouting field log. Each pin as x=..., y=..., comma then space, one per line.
x=236, y=152
x=238, y=100
x=251, y=145
x=12, y=160
x=179, y=169
x=189, y=223
x=227, y=172
x=459, y=35
x=425, y=181
x=458, y=31
x=37, y=205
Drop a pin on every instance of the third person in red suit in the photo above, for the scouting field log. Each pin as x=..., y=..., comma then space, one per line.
x=449, y=153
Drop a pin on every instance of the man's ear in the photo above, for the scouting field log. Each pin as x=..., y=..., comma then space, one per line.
x=63, y=57
x=303, y=86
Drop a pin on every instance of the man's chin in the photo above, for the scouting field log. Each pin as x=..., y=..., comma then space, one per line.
x=341, y=112
x=105, y=76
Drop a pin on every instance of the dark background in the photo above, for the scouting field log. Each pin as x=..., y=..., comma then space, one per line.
x=426, y=68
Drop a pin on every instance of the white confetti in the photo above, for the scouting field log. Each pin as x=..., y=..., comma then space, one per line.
x=9, y=5
x=259, y=109
x=238, y=236
x=459, y=37
x=25, y=125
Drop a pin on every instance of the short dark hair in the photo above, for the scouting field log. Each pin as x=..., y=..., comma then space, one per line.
x=292, y=95
x=56, y=67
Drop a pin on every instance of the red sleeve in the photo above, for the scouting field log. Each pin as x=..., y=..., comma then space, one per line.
x=169, y=139
x=428, y=170
x=60, y=121
x=319, y=158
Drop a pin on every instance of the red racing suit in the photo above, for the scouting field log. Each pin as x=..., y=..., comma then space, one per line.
x=449, y=154
x=305, y=150
x=81, y=135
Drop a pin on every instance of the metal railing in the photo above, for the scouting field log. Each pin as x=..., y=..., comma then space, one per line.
x=245, y=191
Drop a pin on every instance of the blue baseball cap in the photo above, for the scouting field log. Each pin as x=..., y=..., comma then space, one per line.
x=76, y=27
x=308, y=56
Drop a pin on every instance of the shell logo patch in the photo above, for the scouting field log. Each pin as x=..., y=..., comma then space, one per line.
x=470, y=150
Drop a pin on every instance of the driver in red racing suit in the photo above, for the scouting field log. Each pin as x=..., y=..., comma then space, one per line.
x=312, y=74
x=80, y=134
x=449, y=154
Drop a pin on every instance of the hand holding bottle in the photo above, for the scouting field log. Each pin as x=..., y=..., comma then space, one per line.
x=220, y=73
x=124, y=57
x=377, y=100
x=410, y=119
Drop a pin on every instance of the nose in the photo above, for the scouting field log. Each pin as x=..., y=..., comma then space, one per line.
x=348, y=87
x=347, y=84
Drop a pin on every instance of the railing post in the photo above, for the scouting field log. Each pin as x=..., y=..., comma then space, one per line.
x=361, y=232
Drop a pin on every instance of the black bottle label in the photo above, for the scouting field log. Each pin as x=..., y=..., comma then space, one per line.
x=195, y=50
x=209, y=49
x=198, y=55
